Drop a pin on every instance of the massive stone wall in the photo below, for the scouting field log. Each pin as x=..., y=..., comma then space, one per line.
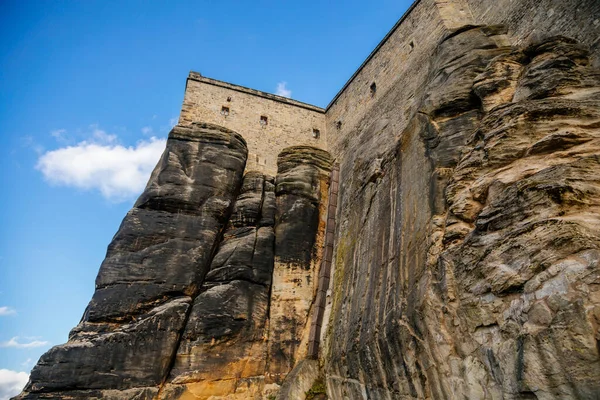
x=399, y=62
x=289, y=122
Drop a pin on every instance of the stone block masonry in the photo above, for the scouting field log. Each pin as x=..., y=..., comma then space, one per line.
x=270, y=123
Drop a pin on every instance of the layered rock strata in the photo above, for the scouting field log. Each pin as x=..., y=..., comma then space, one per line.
x=467, y=261
x=154, y=267
x=183, y=307
x=223, y=348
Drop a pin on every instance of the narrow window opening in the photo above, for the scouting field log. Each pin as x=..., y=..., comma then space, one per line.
x=264, y=120
x=411, y=45
x=225, y=111
x=338, y=124
x=373, y=88
x=316, y=133
x=228, y=98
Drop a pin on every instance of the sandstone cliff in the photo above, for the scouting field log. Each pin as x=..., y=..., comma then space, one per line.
x=467, y=259
x=466, y=255
x=182, y=304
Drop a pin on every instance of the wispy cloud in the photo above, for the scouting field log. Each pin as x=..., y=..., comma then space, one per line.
x=282, y=90
x=4, y=311
x=173, y=122
x=12, y=382
x=29, y=142
x=101, y=136
x=147, y=130
x=59, y=134
x=102, y=163
x=15, y=344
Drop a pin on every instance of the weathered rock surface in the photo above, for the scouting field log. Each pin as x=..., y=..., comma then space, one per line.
x=467, y=250
x=223, y=349
x=301, y=196
x=154, y=267
x=467, y=260
x=182, y=307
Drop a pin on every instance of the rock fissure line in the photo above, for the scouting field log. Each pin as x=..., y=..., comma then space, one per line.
x=325, y=268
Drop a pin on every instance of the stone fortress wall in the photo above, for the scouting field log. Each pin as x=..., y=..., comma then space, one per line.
x=400, y=60
x=288, y=122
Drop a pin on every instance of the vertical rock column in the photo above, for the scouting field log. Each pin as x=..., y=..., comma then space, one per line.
x=223, y=349
x=126, y=341
x=325, y=270
x=301, y=196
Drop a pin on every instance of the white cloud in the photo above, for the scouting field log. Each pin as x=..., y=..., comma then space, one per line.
x=147, y=130
x=14, y=343
x=282, y=90
x=27, y=363
x=101, y=163
x=11, y=383
x=173, y=122
x=4, y=311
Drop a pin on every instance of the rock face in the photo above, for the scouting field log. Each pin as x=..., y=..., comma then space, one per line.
x=183, y=298
x=466, y=253
x=154, y=266
x=467, y=265
x=223, y=347
x=302, y=197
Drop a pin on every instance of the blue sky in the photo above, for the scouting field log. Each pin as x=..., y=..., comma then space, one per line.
x=89, y=91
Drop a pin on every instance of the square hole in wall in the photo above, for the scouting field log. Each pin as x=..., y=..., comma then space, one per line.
x=373, y=88
x=264, y=120
x=316, y=133
x=338, y=124
x=225, y=111
x=228, y=98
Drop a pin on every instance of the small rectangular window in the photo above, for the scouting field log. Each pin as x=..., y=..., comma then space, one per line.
x=225, y=111
x=264, y=120
x=316, y=133
x=373, y=88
